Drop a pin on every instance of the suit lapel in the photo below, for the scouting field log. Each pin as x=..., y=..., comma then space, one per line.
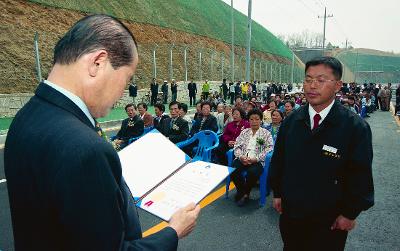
x=53, y=96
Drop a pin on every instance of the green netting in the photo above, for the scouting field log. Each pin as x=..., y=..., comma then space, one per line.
x=368, y=62
x=211, y=18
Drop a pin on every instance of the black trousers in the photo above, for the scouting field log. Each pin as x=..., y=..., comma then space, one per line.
x=192, y=99
x=311, y=234
x=174, y=96
x=244, y=184
x=153, y=99
x=225, y=96
x=232, y=94
x=165, y=97
x=220, y=152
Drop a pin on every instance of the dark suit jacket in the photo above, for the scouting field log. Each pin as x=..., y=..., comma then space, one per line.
x=154, y=88
x=177, y=131
x=65, y=183
x=192, y=87
x=209, y=124
x=313, y=180
x=131, y=128
x=164, y=88
x=174, y=88
x=133, y=90
x=157, y=123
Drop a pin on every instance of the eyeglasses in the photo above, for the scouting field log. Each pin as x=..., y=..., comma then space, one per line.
x=319, y=81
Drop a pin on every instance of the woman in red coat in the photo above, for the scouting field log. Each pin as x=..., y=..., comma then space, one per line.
x=231, y=132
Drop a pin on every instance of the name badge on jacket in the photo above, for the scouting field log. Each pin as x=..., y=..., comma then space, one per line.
x=330, y=151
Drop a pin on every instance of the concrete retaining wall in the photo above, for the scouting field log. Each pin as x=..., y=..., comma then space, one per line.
x=11, y=103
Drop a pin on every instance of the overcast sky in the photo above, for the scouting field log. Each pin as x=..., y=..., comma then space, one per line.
x=373, y=24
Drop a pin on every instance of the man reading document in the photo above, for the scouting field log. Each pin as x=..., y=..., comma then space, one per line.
x=65, y=184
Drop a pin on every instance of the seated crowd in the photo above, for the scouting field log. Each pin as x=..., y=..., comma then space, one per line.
x=250, y=126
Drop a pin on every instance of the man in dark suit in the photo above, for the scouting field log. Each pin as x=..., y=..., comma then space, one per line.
x=159, y=110
x=206, y=122
x=192, y=87
x=131, y=127
x=174, y=90
x=224, y=88
x=175, y=128
x=164, y=89
x=65, y=183
x=133, y=92
x=321, y=169
x=154, y=91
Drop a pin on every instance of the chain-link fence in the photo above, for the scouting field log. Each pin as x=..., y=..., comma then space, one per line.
x=182, y=62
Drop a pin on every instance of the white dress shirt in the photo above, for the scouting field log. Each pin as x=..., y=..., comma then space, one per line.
x=77, y=101
x=322, y=113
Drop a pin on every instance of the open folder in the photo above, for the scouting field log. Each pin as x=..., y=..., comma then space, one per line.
x=162, y=178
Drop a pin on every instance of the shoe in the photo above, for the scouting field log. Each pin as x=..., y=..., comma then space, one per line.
x=238, y=196
x=243, y=201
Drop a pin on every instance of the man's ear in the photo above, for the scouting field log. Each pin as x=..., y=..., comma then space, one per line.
x=338, y=86
x=97, y=62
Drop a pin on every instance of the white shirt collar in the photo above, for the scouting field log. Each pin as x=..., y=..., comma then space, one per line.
x=77, y=101
x=322, y=113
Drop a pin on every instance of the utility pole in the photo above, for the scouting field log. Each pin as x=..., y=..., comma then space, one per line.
x=355, y=69
x=232, y=45
x=248, y=43
x=292, y=74
x=323, y=41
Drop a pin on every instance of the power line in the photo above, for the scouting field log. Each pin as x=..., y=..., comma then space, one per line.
x=309, y=8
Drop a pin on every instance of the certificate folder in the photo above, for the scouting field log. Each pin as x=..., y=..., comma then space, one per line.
x=162, y=178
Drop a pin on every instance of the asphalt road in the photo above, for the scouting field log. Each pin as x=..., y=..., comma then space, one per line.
x=223, y=226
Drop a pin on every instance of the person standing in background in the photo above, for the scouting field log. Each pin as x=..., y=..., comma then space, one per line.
x=154, y=91
x=192, y=88
x=133, y=92
x=174, y=90
x=164, y=89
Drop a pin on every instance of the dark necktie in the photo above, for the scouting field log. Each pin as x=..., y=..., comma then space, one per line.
x=317, y=118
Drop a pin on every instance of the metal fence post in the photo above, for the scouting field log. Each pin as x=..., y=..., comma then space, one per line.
x=222, y=64
x=212, y=65
x=185, y=62
x=37, y=57
x=266, y=71
x=254, y=70
x=171, y=71
x=154, y=63
x=200, y=71
x=271, y=72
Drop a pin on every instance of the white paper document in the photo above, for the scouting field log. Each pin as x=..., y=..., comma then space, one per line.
x=190, y=184
x=148, y=161
x=162, y=177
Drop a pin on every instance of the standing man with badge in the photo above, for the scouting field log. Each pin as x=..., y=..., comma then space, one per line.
x=321, y=169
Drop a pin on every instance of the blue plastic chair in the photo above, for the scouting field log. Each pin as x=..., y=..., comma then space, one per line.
x=146, y=130
x=208, y=140
x=363, y=112
x=264, y=187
